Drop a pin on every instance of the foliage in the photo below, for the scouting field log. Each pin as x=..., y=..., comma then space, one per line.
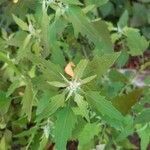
x=64, y=79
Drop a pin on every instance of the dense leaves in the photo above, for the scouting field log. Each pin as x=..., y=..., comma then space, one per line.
x=68, y=76
x=105, y=108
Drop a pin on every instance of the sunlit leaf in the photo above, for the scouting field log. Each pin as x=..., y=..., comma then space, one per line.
x=23, y=25
x=57, y=84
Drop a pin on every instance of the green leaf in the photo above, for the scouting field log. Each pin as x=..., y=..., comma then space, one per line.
x=88, y=8
x=145, y=137
x=123, y=21
x=116, y=76
x=45, y=30
x=74, y=2
x=57, y=84
x=98, y=3
x=127, y=130
x=125, y=102
x=3, y=144
x=51, y=107
x=137, y=44
x=44, y=101
x=24, y=49
x=64, y=125
x=122, y=59
x=106, y=44
x=13, y=87
x=20, y=23
x=100, y=64
x=26, y=133
x=88, y=79
x=4, y=103
x=50, y=70
x=105, y=108
x=75, y=15
x=143, y=117
x=82, y=106
x=5, y=140
x=80, y=68
x=27, y=101
x=43, y=142
x=17, y=39
x=56, y=28
x=7, y=60
x=87, y=134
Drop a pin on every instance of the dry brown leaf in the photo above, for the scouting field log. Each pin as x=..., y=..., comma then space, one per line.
x=69, y=70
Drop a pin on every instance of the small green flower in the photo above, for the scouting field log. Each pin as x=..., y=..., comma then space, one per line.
x=71, y=87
